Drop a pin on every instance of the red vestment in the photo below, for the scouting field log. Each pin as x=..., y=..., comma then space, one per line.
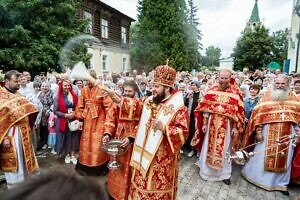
x=279, y=115
x=159, y=181
x=222, y=106
x=97, y=112
x=295, y=176
x=128, y=116
x=16, y=111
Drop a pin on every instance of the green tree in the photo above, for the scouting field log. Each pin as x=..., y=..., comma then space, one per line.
x=253, y=49
x=193, y=44
x=280, y=45
x=33, y=32
x=211, y=58
x=193, y=20
x=160, y=34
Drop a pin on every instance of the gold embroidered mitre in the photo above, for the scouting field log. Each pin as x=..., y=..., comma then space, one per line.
x=165, y=75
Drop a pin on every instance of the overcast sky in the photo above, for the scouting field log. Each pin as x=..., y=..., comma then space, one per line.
x=223, y=20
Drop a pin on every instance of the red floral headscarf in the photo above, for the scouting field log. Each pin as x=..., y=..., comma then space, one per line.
x=62, y=105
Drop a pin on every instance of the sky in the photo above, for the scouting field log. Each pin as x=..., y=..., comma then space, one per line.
x=222, y=21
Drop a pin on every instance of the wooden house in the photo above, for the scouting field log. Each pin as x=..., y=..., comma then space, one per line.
x=111, y=28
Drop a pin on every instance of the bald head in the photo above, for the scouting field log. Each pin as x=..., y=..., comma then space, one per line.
x=227, y=71
x=224, y=79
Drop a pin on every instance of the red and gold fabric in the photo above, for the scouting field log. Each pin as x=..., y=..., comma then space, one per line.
x=128, y=114
x=161, y=179
x=130, y=109
x=279, y=115
x=276, y=155
x=164, y=75
x=97, y=111
x=223, y=107
x=295, y=174
x=16, y=111
x=148, y=139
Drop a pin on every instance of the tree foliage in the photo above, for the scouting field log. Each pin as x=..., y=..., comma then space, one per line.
x=33, y=32
x=253, y=49
x=194, y=36
x=280, y=45
x=193, y=20
x=211, y=58
x=162, y=32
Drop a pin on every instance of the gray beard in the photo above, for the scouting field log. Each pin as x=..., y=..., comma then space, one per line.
x=279, y=94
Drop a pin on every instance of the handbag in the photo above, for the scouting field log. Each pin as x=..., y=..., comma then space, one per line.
x=74, y=125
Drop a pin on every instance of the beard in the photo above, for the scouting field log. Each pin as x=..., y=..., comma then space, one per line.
x=129, y=96
x=279, y=94
x=223, y=86
x=159, y=97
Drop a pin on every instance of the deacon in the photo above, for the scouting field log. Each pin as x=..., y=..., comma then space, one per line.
x=127, y=118
x=96, y=110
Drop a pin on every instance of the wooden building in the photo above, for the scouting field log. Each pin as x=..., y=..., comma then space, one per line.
x=111, y=28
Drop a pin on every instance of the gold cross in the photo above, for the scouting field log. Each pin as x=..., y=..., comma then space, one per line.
x=168, y=109
x=167, y=61
x=282, y=116
x=220, y=108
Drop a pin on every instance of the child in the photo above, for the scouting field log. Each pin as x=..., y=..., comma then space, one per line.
x=52, y=132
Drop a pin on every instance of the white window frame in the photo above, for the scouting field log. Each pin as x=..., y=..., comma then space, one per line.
x=89, y=16
x=123, y=35
x=124, y=64
x=104, y=28
x=104, y=63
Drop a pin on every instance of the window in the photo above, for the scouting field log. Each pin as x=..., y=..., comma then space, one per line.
x=104, y=28
x=87, y=15
x=104, y=62
x=123, y=35
x=124, y=64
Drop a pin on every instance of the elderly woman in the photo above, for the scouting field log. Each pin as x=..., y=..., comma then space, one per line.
x=245, y=90
x=67, y=141
x=46, y=98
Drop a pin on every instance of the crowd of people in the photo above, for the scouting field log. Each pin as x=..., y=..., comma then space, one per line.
x=158, y=117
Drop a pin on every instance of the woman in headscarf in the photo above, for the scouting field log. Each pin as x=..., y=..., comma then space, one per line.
x=64, y=105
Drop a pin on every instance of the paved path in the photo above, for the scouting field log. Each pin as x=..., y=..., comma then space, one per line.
x=191, y=186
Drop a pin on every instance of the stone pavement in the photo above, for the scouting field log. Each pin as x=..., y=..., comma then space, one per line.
x=191, y=186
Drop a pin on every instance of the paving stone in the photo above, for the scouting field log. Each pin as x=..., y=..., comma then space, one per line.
x=191, y=186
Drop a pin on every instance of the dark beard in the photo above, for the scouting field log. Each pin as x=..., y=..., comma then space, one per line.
x=129, y=96
x=159, y=98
